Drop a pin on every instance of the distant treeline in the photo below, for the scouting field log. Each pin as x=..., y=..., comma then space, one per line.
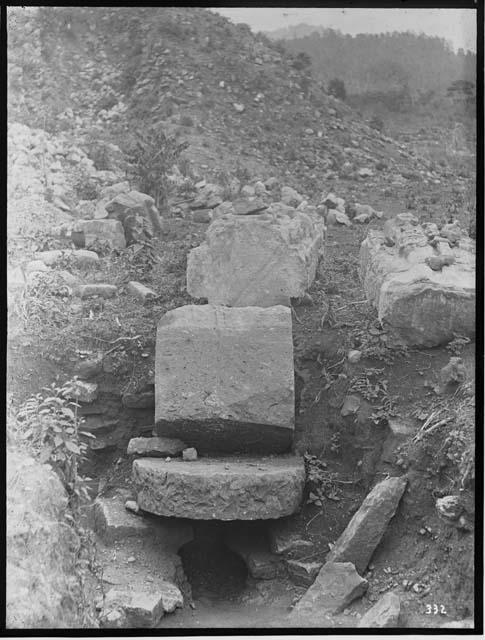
x=370, y=64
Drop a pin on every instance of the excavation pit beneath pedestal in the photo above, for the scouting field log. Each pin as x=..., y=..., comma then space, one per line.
x=225, y=558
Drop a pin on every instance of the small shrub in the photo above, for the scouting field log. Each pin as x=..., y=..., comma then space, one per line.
x=85, y=187
x=302, y=61
x=321, y=483
x=377, y=123
x=152, y=155
x=336, y=88
x=50, y=423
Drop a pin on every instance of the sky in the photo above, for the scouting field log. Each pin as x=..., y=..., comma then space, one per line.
x=456, y=25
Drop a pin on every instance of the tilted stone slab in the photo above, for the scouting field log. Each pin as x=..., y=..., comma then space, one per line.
x=220, y=488
x=426, y=307
x=364, y=532
x=259, y=260
x=224, y=378
x=335, y=587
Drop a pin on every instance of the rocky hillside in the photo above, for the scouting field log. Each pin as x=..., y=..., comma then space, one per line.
x=241, y=103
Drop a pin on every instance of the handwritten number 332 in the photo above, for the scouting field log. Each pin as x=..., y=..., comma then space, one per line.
x=434, y=609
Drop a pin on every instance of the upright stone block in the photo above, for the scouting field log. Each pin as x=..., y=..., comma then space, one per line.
x=255, y=260
x=224, y=378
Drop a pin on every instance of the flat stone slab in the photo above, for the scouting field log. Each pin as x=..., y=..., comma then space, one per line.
x=336, y=586
x=220, y=488
x=155, y=447
x=257, y=260
x=425, y=307
x=224, y=378
x=365, y=530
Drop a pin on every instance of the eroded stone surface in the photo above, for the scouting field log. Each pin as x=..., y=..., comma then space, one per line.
x=140, y=608
x=256, y=260
x=303, y=573
x=364, y=532
x=336, y=586
x=224, y=378
x=113, y=522
x=220, y=488
x=424, y=306
x=384, y=614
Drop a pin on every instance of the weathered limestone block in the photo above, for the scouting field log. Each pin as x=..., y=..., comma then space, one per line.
x=108, y=232
x=220, y=488
x=155, y=447
x=259, y=260
x=224, y=378
x=113, y=522
x=140, y=609
x=425, y=306
x=126, y=207
x=364, y=532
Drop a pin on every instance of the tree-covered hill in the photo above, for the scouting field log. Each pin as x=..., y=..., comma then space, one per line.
x=381, y=62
